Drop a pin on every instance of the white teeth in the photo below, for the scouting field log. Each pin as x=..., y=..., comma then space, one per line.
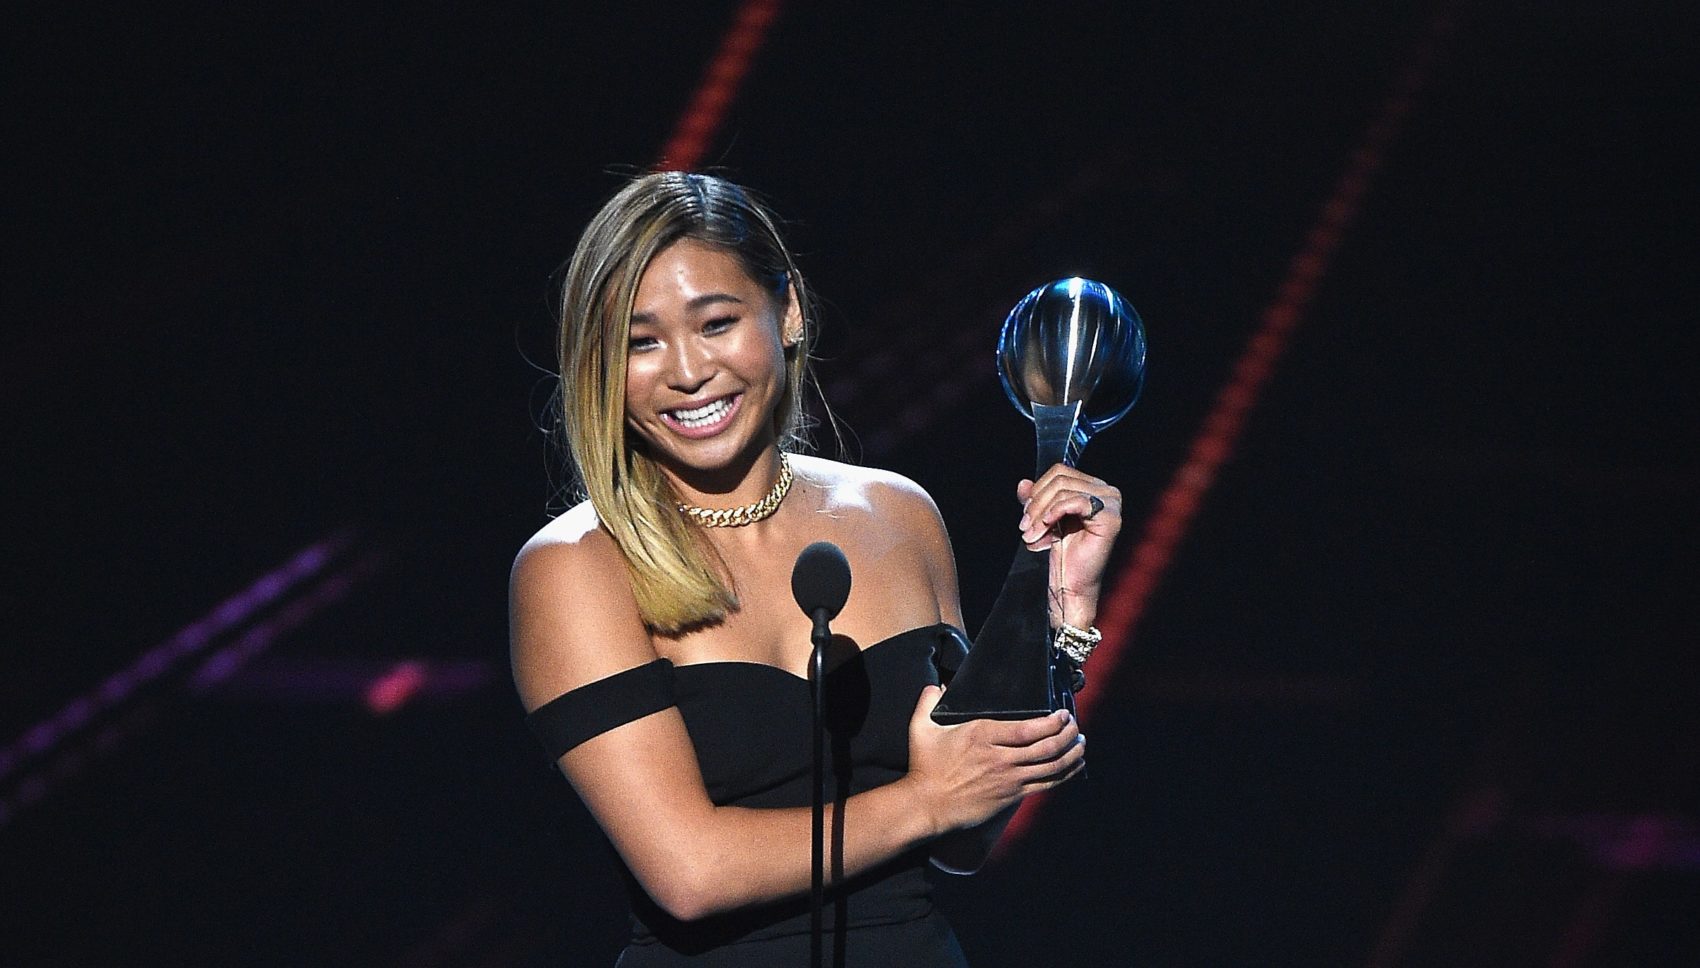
x=704, y=415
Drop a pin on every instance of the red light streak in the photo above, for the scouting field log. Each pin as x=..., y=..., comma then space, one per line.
x=718, y=87
x=394, y=688
x=1124, y=603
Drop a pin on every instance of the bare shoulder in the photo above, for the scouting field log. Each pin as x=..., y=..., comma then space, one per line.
x=895, y=508
x=899, y=522
x=884, y=493
x=572, y=546
x=572, y=617
x=579, y=527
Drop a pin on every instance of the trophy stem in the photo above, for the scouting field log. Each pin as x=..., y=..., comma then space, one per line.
x=1060, y=439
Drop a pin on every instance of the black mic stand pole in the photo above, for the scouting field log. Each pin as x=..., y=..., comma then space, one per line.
x=819, y=637
x=821, y=584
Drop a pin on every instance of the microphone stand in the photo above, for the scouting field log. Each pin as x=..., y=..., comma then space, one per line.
x=819, y=638
x=820, y=582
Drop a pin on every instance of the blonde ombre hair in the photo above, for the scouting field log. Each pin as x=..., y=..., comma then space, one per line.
x=674, y=572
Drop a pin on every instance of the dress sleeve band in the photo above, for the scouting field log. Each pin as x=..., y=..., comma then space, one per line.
x=596, y=707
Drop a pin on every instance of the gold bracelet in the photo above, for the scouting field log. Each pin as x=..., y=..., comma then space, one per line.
x=1075, y=643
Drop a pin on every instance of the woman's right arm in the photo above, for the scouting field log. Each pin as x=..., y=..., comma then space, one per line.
x=574, y=621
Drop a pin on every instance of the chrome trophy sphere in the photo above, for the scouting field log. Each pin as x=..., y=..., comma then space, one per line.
x=1072, y=359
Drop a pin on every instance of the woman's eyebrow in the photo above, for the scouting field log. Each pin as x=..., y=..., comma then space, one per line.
x=707, y=298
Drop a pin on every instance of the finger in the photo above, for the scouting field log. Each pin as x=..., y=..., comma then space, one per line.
x=1044, y=516
x=1022, y=733
x=1084, y=504
x=930, y=696
x=1063, y=479
x=1053, y=472
x=1030, y=490
x=1076, y=770
x=1062, y=474
x=1043, y=776
x=1050, y=748
x=1063, y=495
x=1053, y=782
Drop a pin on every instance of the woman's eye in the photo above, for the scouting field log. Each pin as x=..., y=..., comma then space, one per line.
x=640, y=343
x=719, y=324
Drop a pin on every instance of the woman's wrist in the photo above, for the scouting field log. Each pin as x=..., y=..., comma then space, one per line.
x=1078, y=610
x=931, y=825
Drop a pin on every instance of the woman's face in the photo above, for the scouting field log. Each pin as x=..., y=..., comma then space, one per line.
x=706, y=364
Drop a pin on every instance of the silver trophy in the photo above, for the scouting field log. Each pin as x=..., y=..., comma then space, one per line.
x=1072, y=359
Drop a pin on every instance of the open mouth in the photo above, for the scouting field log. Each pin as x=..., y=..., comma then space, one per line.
x=707, y=417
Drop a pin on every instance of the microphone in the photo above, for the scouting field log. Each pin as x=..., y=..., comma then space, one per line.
x=821, y=582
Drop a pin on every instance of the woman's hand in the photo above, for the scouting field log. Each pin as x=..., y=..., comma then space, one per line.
x=964, y=774
x=1077, y=516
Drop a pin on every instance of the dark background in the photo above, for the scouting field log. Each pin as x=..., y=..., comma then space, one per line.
x=1415, y=690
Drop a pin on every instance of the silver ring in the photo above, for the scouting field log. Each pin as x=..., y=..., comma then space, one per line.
x=1097, y=505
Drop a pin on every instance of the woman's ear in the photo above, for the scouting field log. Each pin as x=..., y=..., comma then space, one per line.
x=791, y=330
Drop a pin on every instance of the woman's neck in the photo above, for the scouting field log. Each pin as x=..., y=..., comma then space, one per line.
x=744, y=482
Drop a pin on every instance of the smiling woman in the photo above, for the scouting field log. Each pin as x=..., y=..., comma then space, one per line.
x=656, y=648
x=706, y=365
x=603, y=327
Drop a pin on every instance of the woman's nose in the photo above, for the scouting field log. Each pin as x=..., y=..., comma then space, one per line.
x=690, y=366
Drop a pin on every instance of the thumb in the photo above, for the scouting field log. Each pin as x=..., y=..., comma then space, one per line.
x=930, y=696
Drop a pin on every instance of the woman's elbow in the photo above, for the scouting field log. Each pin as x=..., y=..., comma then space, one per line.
x=687, y=895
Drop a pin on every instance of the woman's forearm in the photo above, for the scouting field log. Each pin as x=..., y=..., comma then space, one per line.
x=752, y=856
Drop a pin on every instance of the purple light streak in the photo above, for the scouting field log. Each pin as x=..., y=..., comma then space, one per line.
x=350, y=679
x=120, y=686
x=74, y=759
x=226, y=661
x=1626, y=842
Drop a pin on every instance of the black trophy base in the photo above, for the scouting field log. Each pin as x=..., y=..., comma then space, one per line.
x=1008, y=674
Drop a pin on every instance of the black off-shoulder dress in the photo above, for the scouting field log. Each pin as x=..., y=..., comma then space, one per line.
x=750, y=726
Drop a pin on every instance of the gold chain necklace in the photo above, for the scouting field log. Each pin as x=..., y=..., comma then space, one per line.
x=749, y=513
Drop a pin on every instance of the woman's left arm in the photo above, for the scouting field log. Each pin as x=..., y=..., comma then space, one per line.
x=1077, y=517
